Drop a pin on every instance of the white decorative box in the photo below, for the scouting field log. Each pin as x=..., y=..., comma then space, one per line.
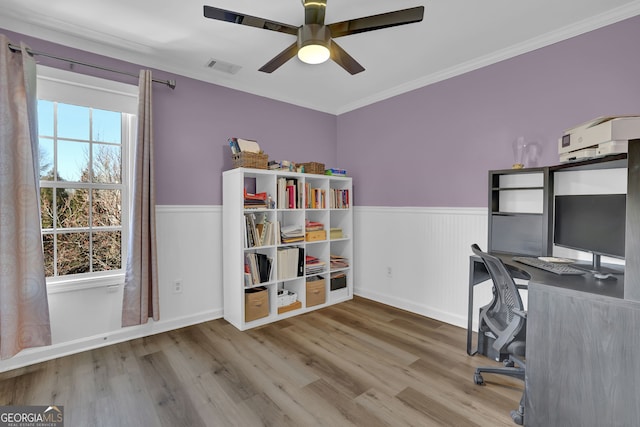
x=286, y=297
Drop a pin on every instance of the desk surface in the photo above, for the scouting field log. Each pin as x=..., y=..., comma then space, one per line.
x=612, y=287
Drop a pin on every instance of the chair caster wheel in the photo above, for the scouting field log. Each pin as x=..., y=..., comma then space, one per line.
x=477, y=378
x=508, y=363
x=517, y=417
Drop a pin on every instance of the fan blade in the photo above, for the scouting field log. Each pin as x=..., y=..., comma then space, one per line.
x=251, y=21
x=377, y=22
x=343, y=59
x=314, y=11
x=280, y=59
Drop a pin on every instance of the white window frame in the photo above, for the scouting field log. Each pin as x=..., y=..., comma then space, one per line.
x=78, y=89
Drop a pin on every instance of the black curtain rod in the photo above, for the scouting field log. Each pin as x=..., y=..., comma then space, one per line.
x=15, y=48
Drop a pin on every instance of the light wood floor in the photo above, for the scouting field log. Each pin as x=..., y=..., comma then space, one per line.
x=357, y=363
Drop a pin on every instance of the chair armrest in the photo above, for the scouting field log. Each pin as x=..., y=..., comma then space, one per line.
x=520, y=313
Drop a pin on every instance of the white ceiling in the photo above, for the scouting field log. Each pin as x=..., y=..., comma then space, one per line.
x=455, y=36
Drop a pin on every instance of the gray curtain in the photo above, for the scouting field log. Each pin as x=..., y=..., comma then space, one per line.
x=24, y=309
x=140, y=302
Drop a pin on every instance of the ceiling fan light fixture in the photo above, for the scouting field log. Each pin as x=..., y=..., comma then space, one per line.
x=313, y=44
x=313, y=54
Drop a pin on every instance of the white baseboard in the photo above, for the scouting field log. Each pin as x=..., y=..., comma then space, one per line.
x=42, y=354
x=414, y=307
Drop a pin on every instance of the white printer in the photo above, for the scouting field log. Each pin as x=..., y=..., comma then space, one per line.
x=598, y=137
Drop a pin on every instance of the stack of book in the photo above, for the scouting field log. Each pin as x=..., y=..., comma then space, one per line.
x=255, y=201
x=338, y=261
x=335, y=233
x=291, y=234
x=314, y=265
x=314, y=231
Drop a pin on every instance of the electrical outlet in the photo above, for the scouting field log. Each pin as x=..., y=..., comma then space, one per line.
x=177, y=287
x=389, y=272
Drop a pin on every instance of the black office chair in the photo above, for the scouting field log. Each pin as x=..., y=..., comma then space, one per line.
x=504, y=319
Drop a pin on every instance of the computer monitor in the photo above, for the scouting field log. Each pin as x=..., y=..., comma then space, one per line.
x=592, y=223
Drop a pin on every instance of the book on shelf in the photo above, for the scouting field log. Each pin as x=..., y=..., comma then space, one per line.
x=290, y=262
x=300, y=262
x=315, y=198
x=259, y=231
x=290, y=193
x=233, y=144
x=240, y=145
x=257, y=268
x=339, y=199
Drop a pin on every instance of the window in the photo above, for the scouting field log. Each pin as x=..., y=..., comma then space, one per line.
x=85, y=126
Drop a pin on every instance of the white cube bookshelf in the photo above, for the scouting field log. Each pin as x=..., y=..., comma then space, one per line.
x=306, y=204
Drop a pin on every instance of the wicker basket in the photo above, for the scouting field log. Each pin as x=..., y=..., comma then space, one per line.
x=313, y=167
x=250, y=160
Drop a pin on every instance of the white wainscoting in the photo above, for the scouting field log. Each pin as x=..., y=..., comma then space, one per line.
x=189, y=250
x=427, y=252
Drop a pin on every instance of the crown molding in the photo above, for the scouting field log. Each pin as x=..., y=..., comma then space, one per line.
x=582, y=27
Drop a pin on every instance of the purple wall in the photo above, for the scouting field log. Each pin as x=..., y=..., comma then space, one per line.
x=433, y=146
x=429, y=147
x=193, y=122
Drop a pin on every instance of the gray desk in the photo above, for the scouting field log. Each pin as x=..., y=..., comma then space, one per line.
x=583, y=350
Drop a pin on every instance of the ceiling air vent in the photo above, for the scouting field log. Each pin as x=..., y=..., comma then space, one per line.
x=223, y=67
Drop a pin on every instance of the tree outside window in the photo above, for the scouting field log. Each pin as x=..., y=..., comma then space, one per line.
x=81, y=181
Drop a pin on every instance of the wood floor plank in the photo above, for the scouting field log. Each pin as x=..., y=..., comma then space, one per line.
x=366, y=343
x=391, y=410
x=215, y=406
x=303, y=407
x=358, y=363
x=209, y=353
x=351, y=411
x=262, y=356
x=172, y=405
x=433, y=410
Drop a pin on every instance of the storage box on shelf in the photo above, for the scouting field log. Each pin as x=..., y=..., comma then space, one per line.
x=256, y=303
x=250, y=160
x=338, y=280
x=313, y=167
x=266, y=244
x=316, y=291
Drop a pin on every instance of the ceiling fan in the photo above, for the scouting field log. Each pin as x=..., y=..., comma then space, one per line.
x=315, y=42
